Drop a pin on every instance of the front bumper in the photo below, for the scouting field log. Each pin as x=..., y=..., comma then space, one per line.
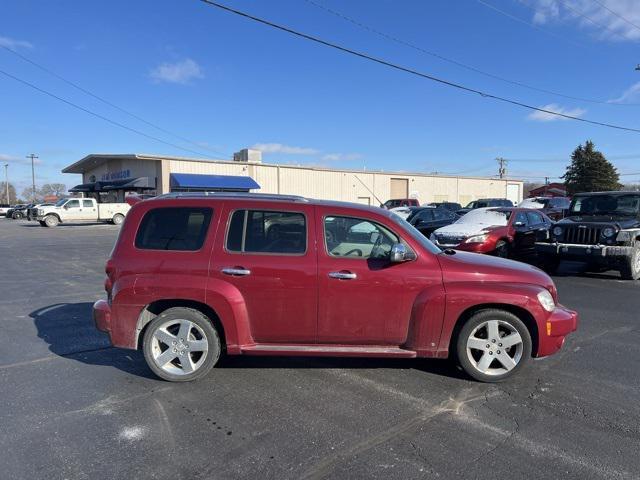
x=558, y=325
x=102, y=316
x=570, y=250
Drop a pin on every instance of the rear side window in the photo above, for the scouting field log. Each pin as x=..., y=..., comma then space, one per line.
x=87, y=203
x=263, y=231
x=181, y=228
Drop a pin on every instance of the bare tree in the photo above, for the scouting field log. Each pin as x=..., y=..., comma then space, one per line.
x=54, y=189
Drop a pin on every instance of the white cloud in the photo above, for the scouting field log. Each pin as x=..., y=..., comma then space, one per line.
x=181, y=72
x=340, y=157
x=631, y=93
x=614, y=20
x=286, y=149
x=554, y=107
x=4, y=158
x=14, y=44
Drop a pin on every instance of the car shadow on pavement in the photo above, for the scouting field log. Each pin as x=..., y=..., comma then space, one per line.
x=69, y=331
x=580, y=269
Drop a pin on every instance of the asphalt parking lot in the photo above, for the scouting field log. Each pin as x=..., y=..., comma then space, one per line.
x=73, y=407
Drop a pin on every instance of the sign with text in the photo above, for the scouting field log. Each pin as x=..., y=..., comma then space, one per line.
x=120, y=175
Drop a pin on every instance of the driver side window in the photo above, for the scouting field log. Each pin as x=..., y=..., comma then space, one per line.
x=357, y=238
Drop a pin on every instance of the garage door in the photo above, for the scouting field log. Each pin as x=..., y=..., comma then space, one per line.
x=513, y=192
x=399, y=188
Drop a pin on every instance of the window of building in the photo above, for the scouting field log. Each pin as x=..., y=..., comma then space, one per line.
x=262, y=231
x=181, y=228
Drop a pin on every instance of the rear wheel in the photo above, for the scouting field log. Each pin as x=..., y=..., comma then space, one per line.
x=181, y=344
x=493, y=345
x=51, y=221
x=630, y=269
x=118, y=218
x=42, y=224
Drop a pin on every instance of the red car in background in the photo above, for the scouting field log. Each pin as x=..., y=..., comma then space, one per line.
x=507, y=232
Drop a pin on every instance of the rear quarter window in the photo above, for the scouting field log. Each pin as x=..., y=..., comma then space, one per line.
x=174, y=228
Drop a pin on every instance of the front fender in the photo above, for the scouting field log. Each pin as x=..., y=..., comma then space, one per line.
x=463, y=296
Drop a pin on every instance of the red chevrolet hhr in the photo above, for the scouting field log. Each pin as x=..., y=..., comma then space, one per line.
x=193, y=275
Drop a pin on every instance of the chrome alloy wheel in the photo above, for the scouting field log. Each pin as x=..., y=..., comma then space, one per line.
x=494, y=347
x=179, y=347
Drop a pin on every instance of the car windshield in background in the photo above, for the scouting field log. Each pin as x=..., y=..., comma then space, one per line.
x=606, y=205
x=534, y=203
x=415, y=234
x=485, y=216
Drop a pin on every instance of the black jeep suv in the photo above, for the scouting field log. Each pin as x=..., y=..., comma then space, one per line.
x=602, y=229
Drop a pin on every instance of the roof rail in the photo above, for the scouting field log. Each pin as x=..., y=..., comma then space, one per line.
x=242, y=195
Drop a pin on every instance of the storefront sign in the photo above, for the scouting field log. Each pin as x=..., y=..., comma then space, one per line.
x=121, y=175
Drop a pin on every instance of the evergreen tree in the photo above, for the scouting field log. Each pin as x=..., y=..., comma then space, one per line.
x=590, y=171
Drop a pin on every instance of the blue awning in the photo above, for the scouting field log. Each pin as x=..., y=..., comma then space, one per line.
x=211, y=183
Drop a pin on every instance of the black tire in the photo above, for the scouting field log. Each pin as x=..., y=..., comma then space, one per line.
x=503, y=249
x=208, y=333
x=630, y=269
x=42, y=224
x=508, y=322
x=51, y=221
x=550, y=263
x=17, y=216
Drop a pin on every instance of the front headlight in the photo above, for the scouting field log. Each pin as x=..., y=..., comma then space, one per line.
x=557, y=231
x=546, y=300
x=40, y=211
x=477, y=238
x=608, y=232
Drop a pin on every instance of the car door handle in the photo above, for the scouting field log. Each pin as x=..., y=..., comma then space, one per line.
x=237, y=272
x=343, y=275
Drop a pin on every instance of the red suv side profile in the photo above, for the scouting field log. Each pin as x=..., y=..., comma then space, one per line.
x=193, y=275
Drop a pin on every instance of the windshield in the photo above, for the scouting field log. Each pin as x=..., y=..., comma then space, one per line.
x=486, y=216
x=534, y=203
x=61, y=202
x=606, y=205
x=416, y=235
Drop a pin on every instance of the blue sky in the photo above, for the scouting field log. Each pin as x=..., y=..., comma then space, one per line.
x=226, y=83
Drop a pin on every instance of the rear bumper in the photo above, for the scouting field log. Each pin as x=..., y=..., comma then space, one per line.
x=558, y=325
x=570, y=250
x=102, y=316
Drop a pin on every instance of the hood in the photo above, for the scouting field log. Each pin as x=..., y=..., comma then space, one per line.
x=467, y=266
x=466, y=229
x=623, y=222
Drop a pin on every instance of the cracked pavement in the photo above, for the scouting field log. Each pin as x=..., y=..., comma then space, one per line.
x=76, y=408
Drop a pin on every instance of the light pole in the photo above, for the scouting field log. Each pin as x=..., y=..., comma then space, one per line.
x=33, y=177
x=6, y=180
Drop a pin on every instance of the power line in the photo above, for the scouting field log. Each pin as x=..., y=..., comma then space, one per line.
x=617, y=14
x=532, y=25
x=413, y=72
x=589, y=19
x=455, y=62
x=107, y=102
x=97, y=115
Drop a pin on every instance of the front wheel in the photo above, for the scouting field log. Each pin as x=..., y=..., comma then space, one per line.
x=493, y=345
x=181, y=344
x=630, y=269
x=118, y=218
x=502, y=249
x=51, y=221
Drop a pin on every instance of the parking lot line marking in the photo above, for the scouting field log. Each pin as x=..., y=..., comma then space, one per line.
x=29, y=362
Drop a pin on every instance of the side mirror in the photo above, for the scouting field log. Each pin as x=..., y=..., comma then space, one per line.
x=399, y=253
x=66, y=206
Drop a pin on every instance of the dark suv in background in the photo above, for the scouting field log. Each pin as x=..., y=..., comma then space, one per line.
x=553, y=207
x=601, y=229
x=484, y=203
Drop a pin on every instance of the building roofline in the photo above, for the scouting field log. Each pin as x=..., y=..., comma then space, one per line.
x=99, y=158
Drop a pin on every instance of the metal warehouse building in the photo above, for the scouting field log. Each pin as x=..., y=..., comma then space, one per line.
x=119, y=174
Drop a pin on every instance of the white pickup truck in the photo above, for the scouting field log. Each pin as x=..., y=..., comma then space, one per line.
x=72, y=210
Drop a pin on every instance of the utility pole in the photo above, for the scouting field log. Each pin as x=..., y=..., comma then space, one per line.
x=6, y=181
x=502, y=167
x=33, y=177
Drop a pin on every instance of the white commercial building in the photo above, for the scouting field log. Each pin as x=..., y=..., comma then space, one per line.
x=118, y=174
